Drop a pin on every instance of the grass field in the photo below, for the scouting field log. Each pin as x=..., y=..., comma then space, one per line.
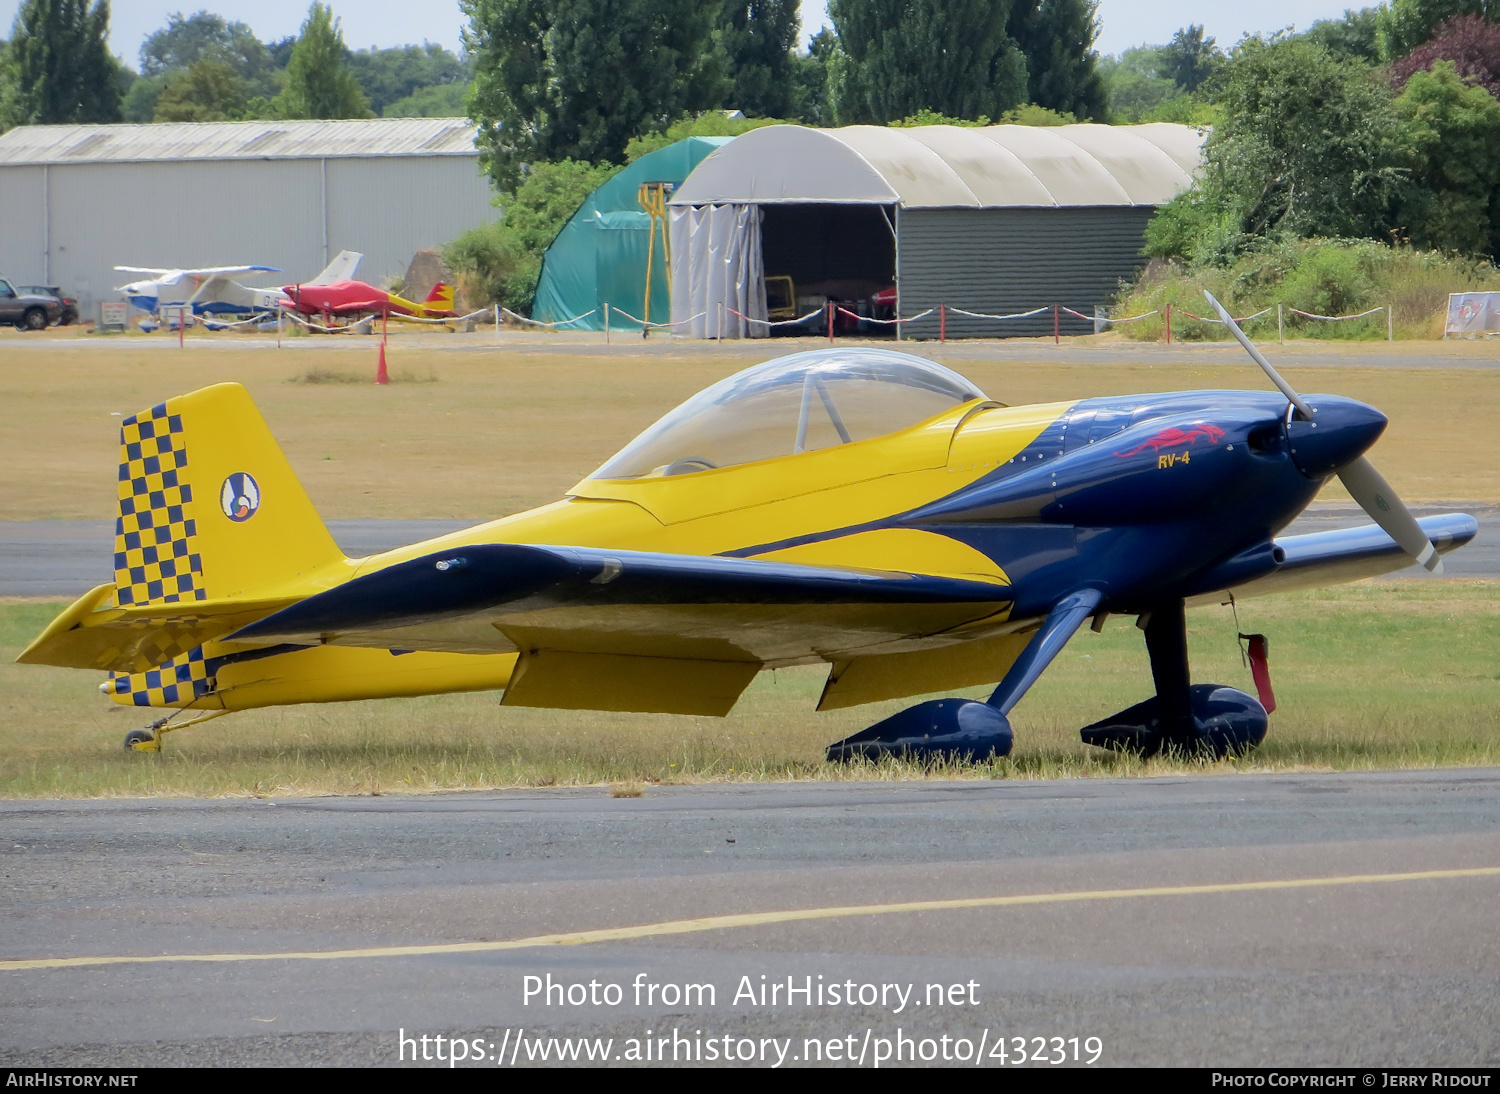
x=479, y=433
x=1376, y=675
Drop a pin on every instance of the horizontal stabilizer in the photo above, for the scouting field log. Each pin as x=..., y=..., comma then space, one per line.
x=94, y=634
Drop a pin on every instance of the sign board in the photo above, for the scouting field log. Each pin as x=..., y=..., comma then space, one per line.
x=175, y=316
x=1472, y=314
x=114, y=315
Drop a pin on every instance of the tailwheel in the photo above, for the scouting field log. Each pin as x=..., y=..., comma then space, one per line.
x=142, y=740
x=149, y=739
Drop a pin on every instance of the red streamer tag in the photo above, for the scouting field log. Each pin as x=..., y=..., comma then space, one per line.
x=1260, y=669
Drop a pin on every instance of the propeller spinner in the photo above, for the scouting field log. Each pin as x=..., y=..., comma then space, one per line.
x=1365, y=484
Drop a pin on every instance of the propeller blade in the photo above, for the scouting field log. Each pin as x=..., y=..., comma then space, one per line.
x=1286, y=388
x=1375, y=496
x=1366, y=485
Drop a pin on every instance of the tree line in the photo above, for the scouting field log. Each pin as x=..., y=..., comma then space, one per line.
x=572, y=79
x=56, y=68
x=1382, y=124
x=580, y=79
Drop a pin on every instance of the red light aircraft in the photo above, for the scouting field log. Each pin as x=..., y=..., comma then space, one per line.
x=360, y=298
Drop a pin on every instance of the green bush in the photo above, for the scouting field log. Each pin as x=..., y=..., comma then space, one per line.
x=1333, y=280
x=492, y=267
x=500, y=262
x=1322, y=276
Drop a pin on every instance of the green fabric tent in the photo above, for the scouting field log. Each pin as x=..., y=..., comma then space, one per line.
x=600, y=255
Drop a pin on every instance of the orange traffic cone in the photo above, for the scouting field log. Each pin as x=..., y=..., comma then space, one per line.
x=381, y=375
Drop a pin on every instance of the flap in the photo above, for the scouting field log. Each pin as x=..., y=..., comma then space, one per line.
x=603, y=681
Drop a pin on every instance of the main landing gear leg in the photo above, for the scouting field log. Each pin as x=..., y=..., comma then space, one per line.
x=1166, y=643
x=1190, y=719
x=965, y=729
x=149, y=739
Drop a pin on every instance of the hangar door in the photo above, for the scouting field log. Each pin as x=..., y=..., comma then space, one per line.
x=1002, y=261
x=717, y=271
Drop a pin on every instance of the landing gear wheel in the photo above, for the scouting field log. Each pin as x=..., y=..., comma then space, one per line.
x=141, y=740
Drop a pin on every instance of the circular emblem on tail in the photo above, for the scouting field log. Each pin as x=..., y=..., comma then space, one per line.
x=240, y=497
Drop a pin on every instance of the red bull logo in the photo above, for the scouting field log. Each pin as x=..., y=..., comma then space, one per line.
x=1176, y=438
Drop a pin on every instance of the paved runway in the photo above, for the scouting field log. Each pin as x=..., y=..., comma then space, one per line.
x=1166, y=950
x=66, y=558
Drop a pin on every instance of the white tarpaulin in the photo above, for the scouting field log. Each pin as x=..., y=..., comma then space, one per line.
x=717, y=270
x=1472, y=313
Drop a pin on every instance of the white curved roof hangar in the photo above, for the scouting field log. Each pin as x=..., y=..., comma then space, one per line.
x=946, y=166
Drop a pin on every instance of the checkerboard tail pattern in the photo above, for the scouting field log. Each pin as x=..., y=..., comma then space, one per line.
x=156, y=553
x=174, y=684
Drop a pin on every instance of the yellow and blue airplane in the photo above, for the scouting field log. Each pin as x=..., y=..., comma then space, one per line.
x=854, y=507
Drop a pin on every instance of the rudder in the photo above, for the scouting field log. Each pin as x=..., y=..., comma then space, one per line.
x=209, y=508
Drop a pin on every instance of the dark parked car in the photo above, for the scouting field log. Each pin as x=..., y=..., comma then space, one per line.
x=70, y=305
x=28, y=311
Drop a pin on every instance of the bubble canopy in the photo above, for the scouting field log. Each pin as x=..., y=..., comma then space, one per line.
x=799, y=403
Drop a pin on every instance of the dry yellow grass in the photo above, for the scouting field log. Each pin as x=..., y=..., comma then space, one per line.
x=1376, y=675
x=503, y=430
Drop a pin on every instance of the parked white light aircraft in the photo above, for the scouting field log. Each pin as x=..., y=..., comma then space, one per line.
x=220, y=295
x=210, y=290
x=174, y=286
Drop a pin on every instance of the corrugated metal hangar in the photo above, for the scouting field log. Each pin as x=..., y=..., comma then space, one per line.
x=82, y=199
x=997, y=220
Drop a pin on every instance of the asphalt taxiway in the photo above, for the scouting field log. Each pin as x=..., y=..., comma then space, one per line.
x=1293, y=919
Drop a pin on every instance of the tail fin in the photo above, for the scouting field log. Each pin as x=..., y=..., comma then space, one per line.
x=440, y=298
x=209, y=507
x=340, y=269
